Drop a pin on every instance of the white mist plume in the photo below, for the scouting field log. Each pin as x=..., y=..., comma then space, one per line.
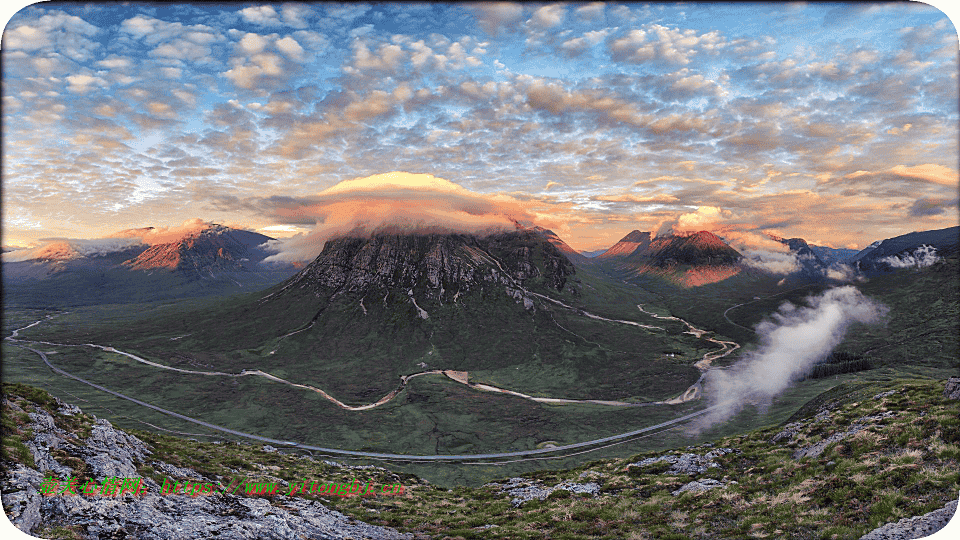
x=921, y=257
x=790, y=345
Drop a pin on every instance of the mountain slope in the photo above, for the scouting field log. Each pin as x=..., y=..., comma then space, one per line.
x=811, y=265
x=856, y=457
x=571, y=254
x=216, y=260
x=944, y=241
x=628, y=244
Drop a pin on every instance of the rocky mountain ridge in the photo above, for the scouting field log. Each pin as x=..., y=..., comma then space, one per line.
x=441, y=266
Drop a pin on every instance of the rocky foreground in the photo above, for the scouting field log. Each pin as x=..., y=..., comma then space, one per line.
x=66, y=444
x=876, y=461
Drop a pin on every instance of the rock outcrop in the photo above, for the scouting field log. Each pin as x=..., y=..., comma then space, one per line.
x=952, y=390
x=692, y=464
x=523, y=490
x=915, y=527
x=109, y=452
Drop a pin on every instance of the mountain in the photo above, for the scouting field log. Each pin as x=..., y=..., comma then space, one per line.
x=592, y=254
x=810, y=264
x=573, y=255
x=701, y=248
x=628, y=244
x=688, y=260
x=216, y=248
x=831, y=255
x=906, y=249
x=441, y=266
x=214, y=260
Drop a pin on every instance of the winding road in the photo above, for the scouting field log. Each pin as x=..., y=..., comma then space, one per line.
x=333, y=451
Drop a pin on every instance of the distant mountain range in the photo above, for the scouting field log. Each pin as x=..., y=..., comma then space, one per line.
x=221, y=260
x=214, y=260
x=900, y=250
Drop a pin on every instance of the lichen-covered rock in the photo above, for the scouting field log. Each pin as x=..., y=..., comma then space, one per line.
x=21, y=497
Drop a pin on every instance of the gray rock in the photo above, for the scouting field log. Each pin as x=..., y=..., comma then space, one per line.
x=110, y=452
x=882, y=395
x=915, y=527
x=67, y=409
x=815, y=450
x=687, y=463
x=700, y=485
x=522, y=490
x=952, y=390
x=176, y=472
x=21, y=497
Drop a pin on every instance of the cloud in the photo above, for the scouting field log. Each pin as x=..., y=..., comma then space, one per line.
x=493, y=17
x=791, y=343
x=55, y=32
x=705, y=218
x=929, y=206
x=163, y=235
x=926, y=173
x=772, y=261
x=398, y=201
x=70, y=248
x=593, y=10
x=548, y=16
x=921, y=257
x=661, y=44
x=844, y=272
x=260, y=15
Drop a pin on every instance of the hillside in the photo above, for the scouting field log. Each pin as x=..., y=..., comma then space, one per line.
x=853, y=459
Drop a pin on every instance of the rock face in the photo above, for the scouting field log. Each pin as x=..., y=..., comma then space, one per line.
x=915, y=527
x=443, y=264
x=108, y=452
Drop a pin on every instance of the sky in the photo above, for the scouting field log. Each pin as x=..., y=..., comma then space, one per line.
x=837, y=123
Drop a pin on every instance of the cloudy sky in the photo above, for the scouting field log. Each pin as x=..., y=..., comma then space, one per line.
x=836, y=123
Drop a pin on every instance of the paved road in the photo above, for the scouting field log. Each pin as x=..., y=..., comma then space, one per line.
x=335, y=451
